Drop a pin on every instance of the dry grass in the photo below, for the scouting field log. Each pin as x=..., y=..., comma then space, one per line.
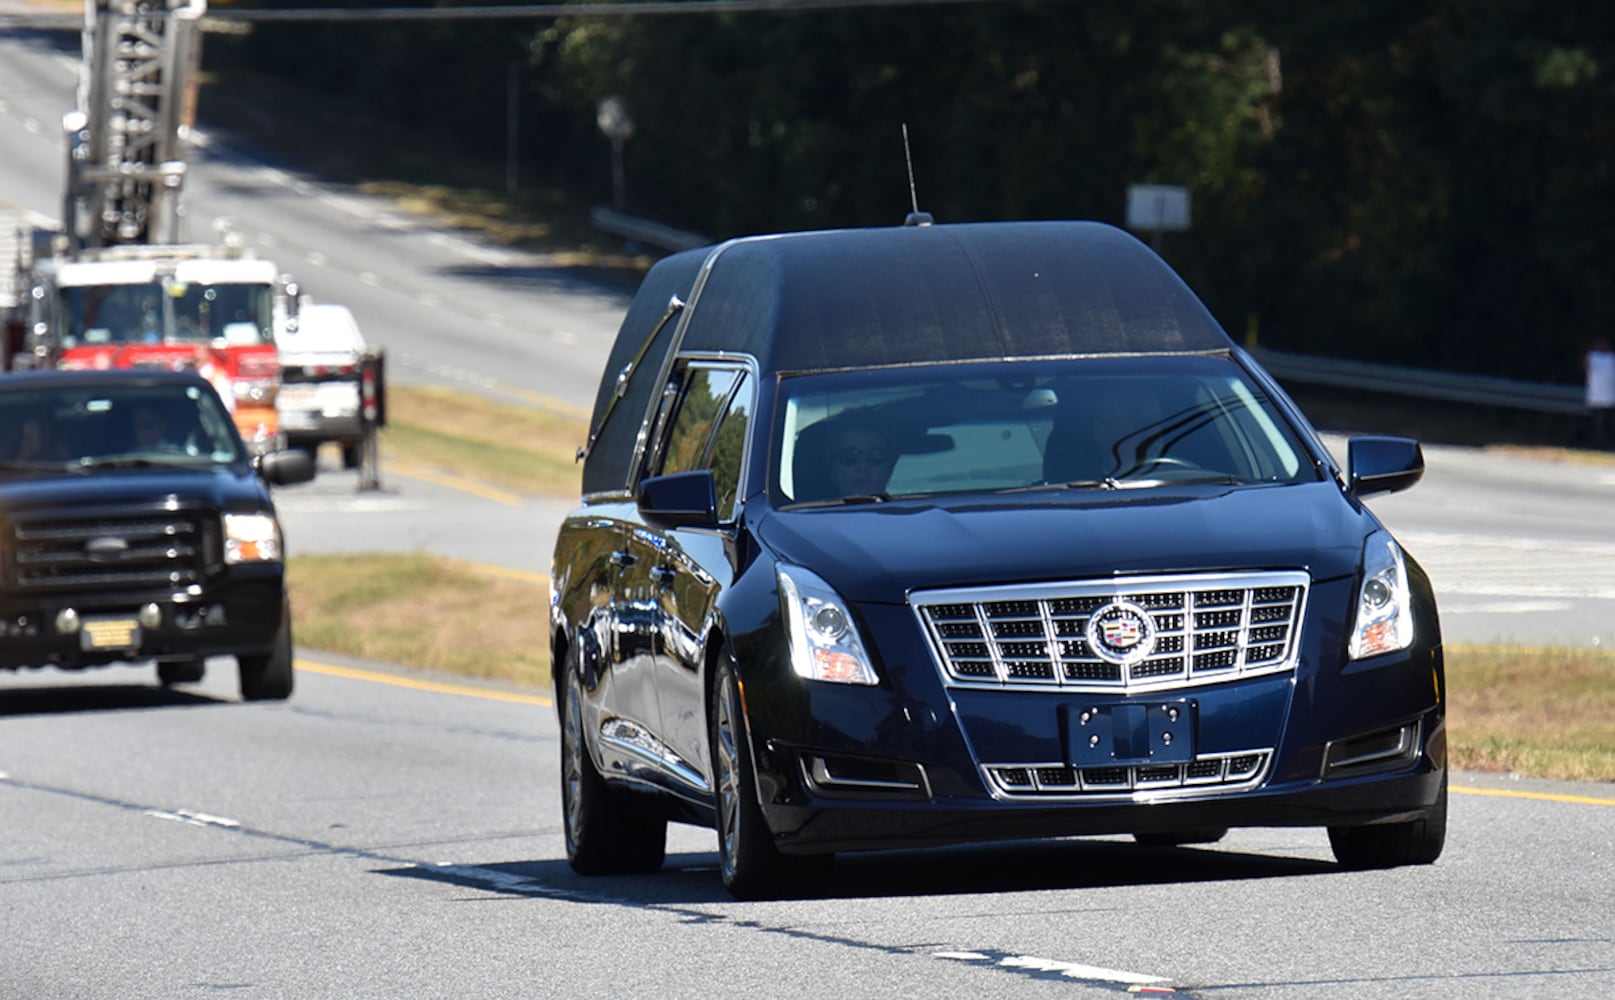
x=422, y=611
x=1545, y=713
x=517, y=448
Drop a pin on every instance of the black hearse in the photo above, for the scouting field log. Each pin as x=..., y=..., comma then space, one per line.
x=136, y=527
x=944, y=533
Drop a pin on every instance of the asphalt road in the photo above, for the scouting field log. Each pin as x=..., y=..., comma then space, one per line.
x=387, y=835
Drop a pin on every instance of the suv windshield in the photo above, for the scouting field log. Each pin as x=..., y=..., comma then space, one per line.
x=1088, y=423
x=115, y=425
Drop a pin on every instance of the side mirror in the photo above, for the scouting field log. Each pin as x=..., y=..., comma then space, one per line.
x=286, y=468
x=680, y=500
x=1377, y=465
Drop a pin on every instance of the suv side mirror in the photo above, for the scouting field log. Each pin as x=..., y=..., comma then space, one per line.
x=680, y=500
x=1378, y=465
x=286, y=468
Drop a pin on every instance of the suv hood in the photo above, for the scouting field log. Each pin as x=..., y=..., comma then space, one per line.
x=225, y=487
x=880, y=552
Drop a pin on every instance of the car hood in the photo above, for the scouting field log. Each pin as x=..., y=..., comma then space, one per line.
x=225, y=487
x=880, y=552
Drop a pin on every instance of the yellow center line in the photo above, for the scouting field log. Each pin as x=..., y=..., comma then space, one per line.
x=414, y=471
x=1504, y=793
x=507, y=573
x=417, y=684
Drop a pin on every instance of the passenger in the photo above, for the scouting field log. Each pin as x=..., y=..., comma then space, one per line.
x=151, y=429
x=36, y=443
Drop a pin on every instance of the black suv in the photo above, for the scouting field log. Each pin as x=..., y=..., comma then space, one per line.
x=135, y=526
x=946, y=533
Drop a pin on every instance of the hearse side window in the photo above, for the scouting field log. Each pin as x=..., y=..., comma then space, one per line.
x=703, y=394
x=728, y=446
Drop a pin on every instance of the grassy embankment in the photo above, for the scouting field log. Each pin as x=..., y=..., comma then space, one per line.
x=1543, y=713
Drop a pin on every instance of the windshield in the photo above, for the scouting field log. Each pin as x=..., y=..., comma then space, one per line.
x=82, y=426
x=1105, y=423
x=166, y=311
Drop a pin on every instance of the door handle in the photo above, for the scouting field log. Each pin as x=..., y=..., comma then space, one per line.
x=622, y=557
x=664, y=575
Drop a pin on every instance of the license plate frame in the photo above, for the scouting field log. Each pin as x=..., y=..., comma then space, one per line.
x=1130, y=733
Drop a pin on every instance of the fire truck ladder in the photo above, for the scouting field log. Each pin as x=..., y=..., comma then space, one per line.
x=137, y=95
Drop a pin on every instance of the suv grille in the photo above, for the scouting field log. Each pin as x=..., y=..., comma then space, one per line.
x=110, y=550
x=1128, y=634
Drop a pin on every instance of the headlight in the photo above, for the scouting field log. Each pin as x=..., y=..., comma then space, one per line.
x=824, y=641
x=1384, y=605
x=251, y=538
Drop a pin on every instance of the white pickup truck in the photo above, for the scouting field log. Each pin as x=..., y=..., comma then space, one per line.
x=322, y=381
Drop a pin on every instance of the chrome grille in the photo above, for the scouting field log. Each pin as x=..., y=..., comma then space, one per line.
x=111, y=550
x=1198, y=629
x=1224, y=772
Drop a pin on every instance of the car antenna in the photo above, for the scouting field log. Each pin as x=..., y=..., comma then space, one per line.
x=915, y=217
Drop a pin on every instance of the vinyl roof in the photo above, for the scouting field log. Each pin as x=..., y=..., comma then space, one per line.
x=859, y=298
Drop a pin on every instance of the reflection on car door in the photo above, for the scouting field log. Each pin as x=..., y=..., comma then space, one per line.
x=707, y=430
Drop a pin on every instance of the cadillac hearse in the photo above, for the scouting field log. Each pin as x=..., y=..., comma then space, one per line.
x=953, y=533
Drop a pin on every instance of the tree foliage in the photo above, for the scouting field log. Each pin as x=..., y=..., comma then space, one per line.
x=1424, y=183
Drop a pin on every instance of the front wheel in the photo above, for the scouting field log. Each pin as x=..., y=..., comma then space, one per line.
x=1390, y=845
x=268, y=676
x=186, y=671
x=607, y=831
x=752, y=867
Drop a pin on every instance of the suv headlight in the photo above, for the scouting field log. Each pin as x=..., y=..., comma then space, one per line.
x=824, y=641
x=251, y=538
x=1384, y=605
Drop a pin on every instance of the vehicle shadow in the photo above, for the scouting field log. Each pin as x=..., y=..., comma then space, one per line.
x=69, y=699
x=692, y=879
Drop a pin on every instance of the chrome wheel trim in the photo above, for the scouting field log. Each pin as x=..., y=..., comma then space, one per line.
x=727, y=765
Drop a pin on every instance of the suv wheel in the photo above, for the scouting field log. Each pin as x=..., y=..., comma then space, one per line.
x=607, y=831
x=187, y=671
x=268, y=676
x=752, y=867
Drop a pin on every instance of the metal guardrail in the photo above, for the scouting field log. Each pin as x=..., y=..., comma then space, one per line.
x=646, y=231
x=1365, y=376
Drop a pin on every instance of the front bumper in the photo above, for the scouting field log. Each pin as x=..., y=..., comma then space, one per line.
x=238, y=614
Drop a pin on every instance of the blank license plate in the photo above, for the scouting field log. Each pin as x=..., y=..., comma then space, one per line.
x=1130, y=733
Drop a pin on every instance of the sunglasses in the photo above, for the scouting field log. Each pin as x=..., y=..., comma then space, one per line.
x=861, y=456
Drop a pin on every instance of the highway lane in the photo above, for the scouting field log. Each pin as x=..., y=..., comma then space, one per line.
x=384, y=835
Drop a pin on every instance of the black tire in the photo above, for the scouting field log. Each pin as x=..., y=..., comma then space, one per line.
x=1391, y=845
x=608, y=832
x=187, y=671
x=1177, y=838
x=752, y=867
x=268, y=676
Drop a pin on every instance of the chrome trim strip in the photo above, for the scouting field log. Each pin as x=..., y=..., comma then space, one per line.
x=819, y=772
x=1404, y=747
x=635, y=740
x=1139, y=783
